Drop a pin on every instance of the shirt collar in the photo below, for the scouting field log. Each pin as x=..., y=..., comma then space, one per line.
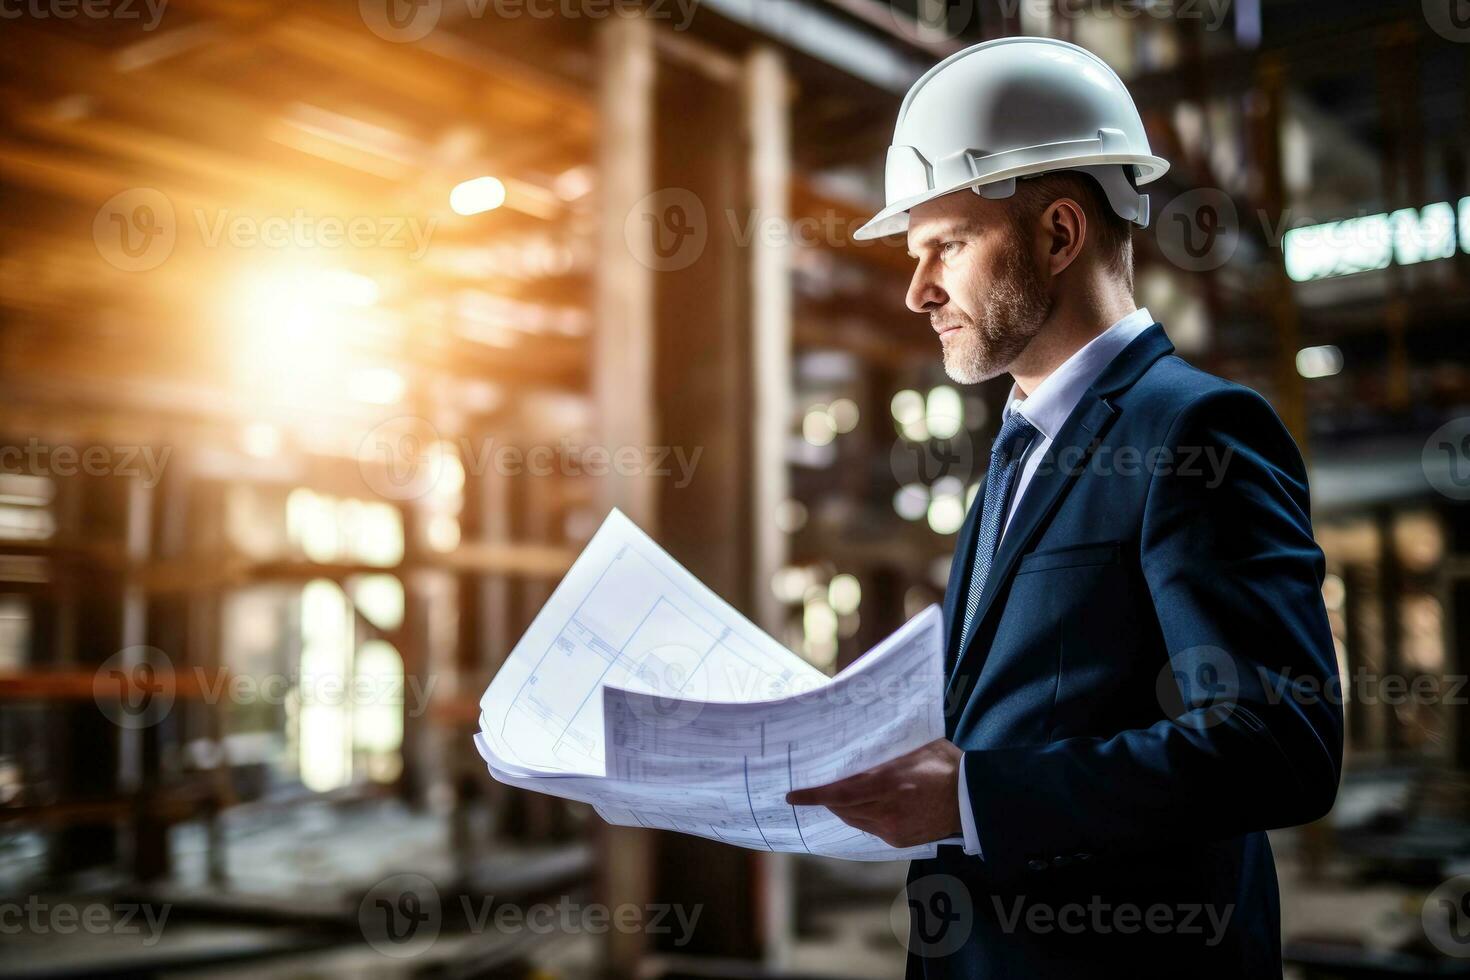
x=1052, y=402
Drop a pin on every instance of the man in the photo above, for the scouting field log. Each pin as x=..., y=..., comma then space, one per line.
x=1137, y=640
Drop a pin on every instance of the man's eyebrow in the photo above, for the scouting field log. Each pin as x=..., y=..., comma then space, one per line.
x=947, y=233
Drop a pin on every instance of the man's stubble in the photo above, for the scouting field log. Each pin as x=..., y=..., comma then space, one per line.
x=1015, y=307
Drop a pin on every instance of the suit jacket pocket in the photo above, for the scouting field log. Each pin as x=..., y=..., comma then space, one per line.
x=1102, y=553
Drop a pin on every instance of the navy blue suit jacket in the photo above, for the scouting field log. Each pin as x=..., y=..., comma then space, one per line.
x=1147, y=690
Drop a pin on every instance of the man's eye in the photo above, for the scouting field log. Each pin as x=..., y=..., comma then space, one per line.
x=949, y=248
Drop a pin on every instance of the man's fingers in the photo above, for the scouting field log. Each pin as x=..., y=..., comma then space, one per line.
x=816, y=796
x=851, y=791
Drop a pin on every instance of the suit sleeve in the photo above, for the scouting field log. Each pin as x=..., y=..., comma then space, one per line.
x=1250, y=736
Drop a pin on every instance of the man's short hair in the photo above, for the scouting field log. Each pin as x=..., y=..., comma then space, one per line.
x=1113, y=235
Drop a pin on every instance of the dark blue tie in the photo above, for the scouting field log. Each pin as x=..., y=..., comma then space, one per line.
x=1005, y=466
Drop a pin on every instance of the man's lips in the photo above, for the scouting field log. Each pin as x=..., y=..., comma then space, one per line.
x=951, y=328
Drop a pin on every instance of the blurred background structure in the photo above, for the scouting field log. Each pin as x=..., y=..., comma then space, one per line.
x=330, y=331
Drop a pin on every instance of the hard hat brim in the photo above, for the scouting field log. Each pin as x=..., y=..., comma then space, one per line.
x=894, y=218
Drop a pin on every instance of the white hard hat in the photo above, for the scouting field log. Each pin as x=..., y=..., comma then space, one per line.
x=1015, y=107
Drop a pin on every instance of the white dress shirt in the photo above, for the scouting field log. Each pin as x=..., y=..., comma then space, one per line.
x=1047, y=408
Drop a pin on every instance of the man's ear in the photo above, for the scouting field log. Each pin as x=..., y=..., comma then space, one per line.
x=1064, y=223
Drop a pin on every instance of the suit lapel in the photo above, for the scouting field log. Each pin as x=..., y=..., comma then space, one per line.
x=964, y=559
x=1066, y=457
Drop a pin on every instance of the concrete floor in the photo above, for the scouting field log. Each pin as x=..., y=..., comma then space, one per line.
x=851, y=922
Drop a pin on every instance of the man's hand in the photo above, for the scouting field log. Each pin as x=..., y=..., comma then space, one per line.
x=911, y=800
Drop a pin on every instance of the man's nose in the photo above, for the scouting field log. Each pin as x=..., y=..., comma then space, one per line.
x=925, y=294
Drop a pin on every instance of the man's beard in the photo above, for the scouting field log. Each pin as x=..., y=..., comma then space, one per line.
x=1015, y=309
